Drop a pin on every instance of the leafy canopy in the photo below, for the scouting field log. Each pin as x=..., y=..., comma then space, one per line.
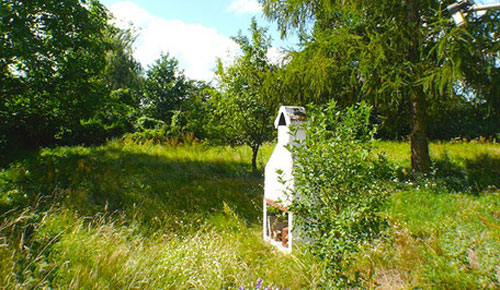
x=165, y=89
x=245, y=106
x=403, y=57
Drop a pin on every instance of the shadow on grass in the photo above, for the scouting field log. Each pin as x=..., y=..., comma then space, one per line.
x=153, y=190
x=472, y=175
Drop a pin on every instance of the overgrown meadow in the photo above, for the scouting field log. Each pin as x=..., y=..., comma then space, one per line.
x=157, y=208
x=444, y=228
x=139, y=216
x=189, y=216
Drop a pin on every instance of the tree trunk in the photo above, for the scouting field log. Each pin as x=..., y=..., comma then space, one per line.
x=255, y=151
x=420, y=160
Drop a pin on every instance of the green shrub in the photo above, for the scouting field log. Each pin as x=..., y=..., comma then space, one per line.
x=336, y=179
x=146, y=123
x=154, y=131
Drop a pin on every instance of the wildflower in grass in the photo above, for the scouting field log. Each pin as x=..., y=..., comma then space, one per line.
x=260, y=286
x=259, y=282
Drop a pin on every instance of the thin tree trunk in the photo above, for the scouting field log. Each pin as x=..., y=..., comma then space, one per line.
x=420, y=160
x=255, y=151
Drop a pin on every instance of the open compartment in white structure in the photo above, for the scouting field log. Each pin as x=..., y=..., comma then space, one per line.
x=278, y=179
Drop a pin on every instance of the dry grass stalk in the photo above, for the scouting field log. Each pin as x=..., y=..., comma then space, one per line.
x=391, y=279
x=473, y=260
x=498, y=274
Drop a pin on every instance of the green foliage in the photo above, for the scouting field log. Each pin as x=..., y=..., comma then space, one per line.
x=123, y=79
x=3, y=143
x=197, y=115
x=165, y=89
x=173, y=106
x=122, y=71
x=336, y=180
x=358, y=47
x=153, y=131
x=68, y=76
x=146, y=123
x=148, y=136
x=453, y=119
x=402, y=57
x=245, y=106
x=52, y=56
x=170, y=136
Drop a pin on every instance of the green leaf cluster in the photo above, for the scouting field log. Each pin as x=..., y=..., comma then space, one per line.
x=165, y=88
x=336, y=184
x=68, y=76
x=246, y=104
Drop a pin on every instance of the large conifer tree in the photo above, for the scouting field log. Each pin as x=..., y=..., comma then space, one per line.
x=389, y=52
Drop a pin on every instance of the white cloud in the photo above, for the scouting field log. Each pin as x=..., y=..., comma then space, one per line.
x=245, y=6
x=195, y=46
x=276, y=55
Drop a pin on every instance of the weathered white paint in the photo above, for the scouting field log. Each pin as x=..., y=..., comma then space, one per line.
x=278, y=186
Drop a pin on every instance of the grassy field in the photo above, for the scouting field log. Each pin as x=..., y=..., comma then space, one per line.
x=445, y=229
x=184, y=217
x=128, y=216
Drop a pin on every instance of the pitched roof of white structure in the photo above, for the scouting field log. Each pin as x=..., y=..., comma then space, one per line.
x=289, y=115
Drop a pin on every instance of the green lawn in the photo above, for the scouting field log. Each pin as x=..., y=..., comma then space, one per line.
x=184, y=217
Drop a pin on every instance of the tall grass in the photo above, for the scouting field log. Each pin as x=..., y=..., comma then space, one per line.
x=189, y=217
x=130, y=216
x=109, y=253
x=445, y=228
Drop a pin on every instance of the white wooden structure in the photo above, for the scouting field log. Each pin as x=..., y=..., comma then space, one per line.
x=278, y=179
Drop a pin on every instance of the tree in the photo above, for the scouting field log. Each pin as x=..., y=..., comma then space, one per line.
x=52, y=54
x=482, y=66
x=245, y=106
x=197, y=110
x=165, y=89
x=337, y=180
x=123, y=78
x=387, y=52
x=122, y=70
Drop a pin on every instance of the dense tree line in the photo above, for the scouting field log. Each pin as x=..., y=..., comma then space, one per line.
x=52, y=56
x=68, y=76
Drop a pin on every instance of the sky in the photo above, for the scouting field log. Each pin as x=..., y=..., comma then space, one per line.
x=195, y=32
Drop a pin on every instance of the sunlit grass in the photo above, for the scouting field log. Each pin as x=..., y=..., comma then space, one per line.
x=399, y=152
x=227, y=253
x=140, y=216
x=445, y=229
x=189, y=217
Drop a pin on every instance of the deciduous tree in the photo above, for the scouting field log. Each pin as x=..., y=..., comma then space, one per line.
x=165, y=89
x=52, y=54
x=245, y=105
